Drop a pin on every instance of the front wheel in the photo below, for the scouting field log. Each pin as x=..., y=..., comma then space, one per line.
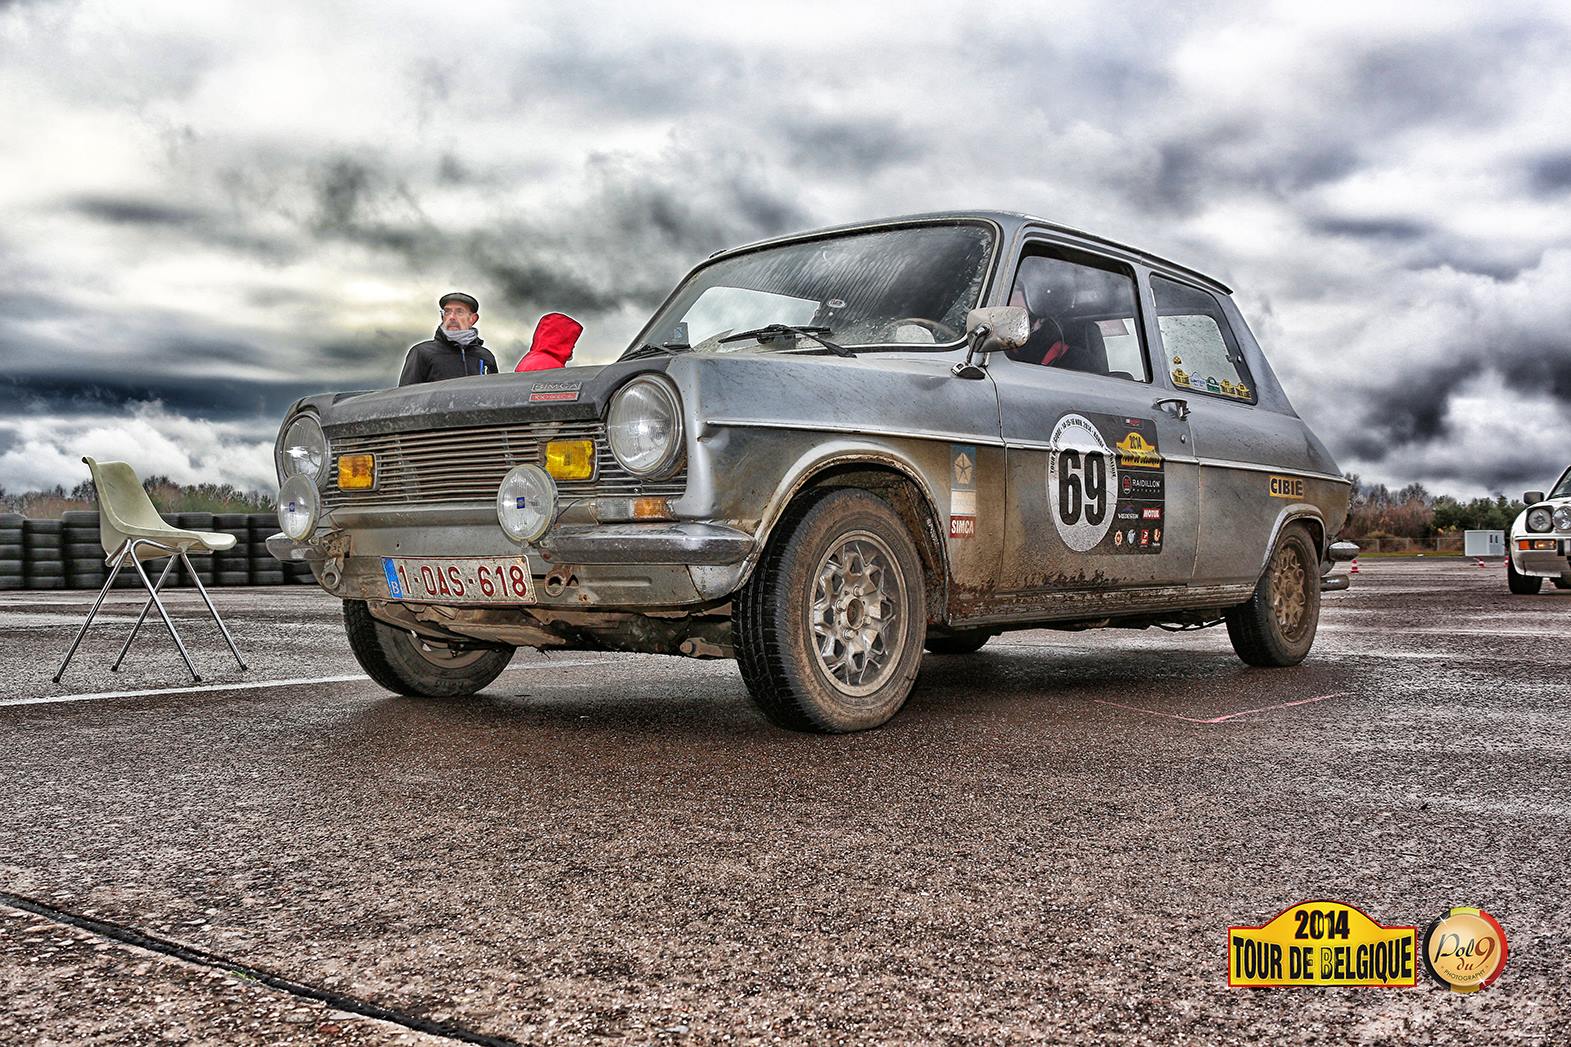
x=1277, y=626
x=829, y=629
x=1522, y=584
x=406, y=664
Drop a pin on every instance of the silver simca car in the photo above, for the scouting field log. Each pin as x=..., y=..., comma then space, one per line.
x=1540, y=544
x=825, y=453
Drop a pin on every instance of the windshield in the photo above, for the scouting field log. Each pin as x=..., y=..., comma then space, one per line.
x=1563, y=487
x=911, y=285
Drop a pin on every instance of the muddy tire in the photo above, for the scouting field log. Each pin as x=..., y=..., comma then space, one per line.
x=398, y=661
x=829, y=629
x=1276, y=628
x=966, y=641
x=1522, y=584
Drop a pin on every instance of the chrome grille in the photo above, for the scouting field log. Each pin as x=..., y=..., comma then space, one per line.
x=465, y=465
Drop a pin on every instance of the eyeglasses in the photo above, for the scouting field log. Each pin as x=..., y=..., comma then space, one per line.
x=455, y=310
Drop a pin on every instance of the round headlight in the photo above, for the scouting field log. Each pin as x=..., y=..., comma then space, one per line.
x=1539, y=519
x=1563, y=518
x=526, y=503
x=304, y=450
x=298, y=506
x=644, y=426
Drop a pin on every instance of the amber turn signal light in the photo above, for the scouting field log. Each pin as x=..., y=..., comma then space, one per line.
x=356, y=472
x=570, y=459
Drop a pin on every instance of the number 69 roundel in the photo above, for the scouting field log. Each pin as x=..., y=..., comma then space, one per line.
x=1082, y=482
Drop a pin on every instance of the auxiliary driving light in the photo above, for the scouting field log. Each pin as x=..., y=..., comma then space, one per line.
x=1563, y=518
x=526, y=503
x=298, y=507
x=356, y=472
x=570, y=459
x=1539, y=519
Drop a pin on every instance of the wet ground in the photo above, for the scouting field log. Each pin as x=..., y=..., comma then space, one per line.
x=1048, y=843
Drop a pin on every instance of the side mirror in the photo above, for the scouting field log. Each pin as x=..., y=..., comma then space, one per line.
x=998, y=328
x=1533, y=496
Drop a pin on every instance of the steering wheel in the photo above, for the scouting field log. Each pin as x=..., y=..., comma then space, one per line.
x=940, y=332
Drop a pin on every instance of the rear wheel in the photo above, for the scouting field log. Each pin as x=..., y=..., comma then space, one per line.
x=1522, y=584
x=963, y=641
x=829, y=629
x=1277, y=626
x=406, y=664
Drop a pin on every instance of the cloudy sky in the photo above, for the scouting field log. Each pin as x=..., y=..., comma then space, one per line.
x=208, y=209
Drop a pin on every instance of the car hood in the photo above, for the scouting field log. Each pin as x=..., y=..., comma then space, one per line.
x=558, y=394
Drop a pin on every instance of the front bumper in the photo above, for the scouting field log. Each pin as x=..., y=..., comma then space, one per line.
x=1542, y=563
x=611, y=566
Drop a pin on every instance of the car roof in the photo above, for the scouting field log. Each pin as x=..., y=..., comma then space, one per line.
x=1010, y=221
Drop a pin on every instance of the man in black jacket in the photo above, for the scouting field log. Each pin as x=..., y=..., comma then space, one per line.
x=455, y=351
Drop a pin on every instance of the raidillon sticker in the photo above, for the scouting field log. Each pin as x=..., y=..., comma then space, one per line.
x=1322, y=943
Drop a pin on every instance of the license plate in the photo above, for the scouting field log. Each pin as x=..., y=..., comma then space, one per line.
x=453, y=580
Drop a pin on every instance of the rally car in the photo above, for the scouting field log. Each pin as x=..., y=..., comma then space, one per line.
x=1540, y=543
x=824, y=454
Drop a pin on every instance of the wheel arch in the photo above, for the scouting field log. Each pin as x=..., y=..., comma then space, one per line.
x=898, y=482
x=1304, y=513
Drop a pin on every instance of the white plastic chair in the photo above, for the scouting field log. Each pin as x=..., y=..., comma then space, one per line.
x=132, y=531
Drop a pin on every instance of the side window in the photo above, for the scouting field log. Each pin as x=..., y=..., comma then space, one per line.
x=1084, y=314
x=1198, y=342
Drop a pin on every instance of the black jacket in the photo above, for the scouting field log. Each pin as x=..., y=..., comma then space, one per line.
x=437, y=358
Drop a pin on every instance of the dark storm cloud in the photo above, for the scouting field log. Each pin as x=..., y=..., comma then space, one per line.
x=858, y=144
x=1550, y=175
x=1400, y=229
x=129, y=211
x=1411, y=410
x=214, y=398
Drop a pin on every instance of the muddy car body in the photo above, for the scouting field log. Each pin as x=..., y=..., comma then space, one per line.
x=910, y=461
x=1539, y=545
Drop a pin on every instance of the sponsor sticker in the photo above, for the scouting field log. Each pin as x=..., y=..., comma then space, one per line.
x=1322, y=943
x=554, y=392
x=1106, y=478
x=1465, y=949
x=1287, y=487
x=962, y=491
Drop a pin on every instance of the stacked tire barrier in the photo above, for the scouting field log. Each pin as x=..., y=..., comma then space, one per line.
x=11, y=561
x=68, y=554
x=43, y=565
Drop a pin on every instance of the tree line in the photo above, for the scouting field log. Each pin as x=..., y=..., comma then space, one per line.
x=166, y=494
x=1377, y=511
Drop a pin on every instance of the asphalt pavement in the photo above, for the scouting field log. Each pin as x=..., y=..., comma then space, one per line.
x=1047, y=845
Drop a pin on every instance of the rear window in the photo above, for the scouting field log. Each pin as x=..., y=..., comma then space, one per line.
x=1201, y=352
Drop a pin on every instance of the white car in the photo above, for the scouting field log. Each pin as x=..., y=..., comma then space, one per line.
x=1540, y=545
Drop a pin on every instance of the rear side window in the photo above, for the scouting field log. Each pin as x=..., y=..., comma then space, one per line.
x=1202, y=354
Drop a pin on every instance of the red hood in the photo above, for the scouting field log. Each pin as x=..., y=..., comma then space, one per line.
x=555, y=336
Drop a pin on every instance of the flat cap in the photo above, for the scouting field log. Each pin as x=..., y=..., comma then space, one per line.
x=458, y=296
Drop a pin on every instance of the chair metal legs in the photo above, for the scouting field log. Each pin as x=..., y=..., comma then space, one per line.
x=213, y=611
x=128, y=553
x=148, y=606
x=119, y=562
x=168, y=622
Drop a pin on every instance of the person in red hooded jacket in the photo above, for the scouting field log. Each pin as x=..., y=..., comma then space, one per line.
x=552, y=345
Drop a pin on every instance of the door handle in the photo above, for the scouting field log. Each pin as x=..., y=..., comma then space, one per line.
x=1173, y=405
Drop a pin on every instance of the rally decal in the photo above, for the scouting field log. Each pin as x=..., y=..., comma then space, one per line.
x=1105, y=484
x=962, y=491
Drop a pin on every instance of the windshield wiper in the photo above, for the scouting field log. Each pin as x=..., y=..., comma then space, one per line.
x=648, y=349
x=770, y=332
